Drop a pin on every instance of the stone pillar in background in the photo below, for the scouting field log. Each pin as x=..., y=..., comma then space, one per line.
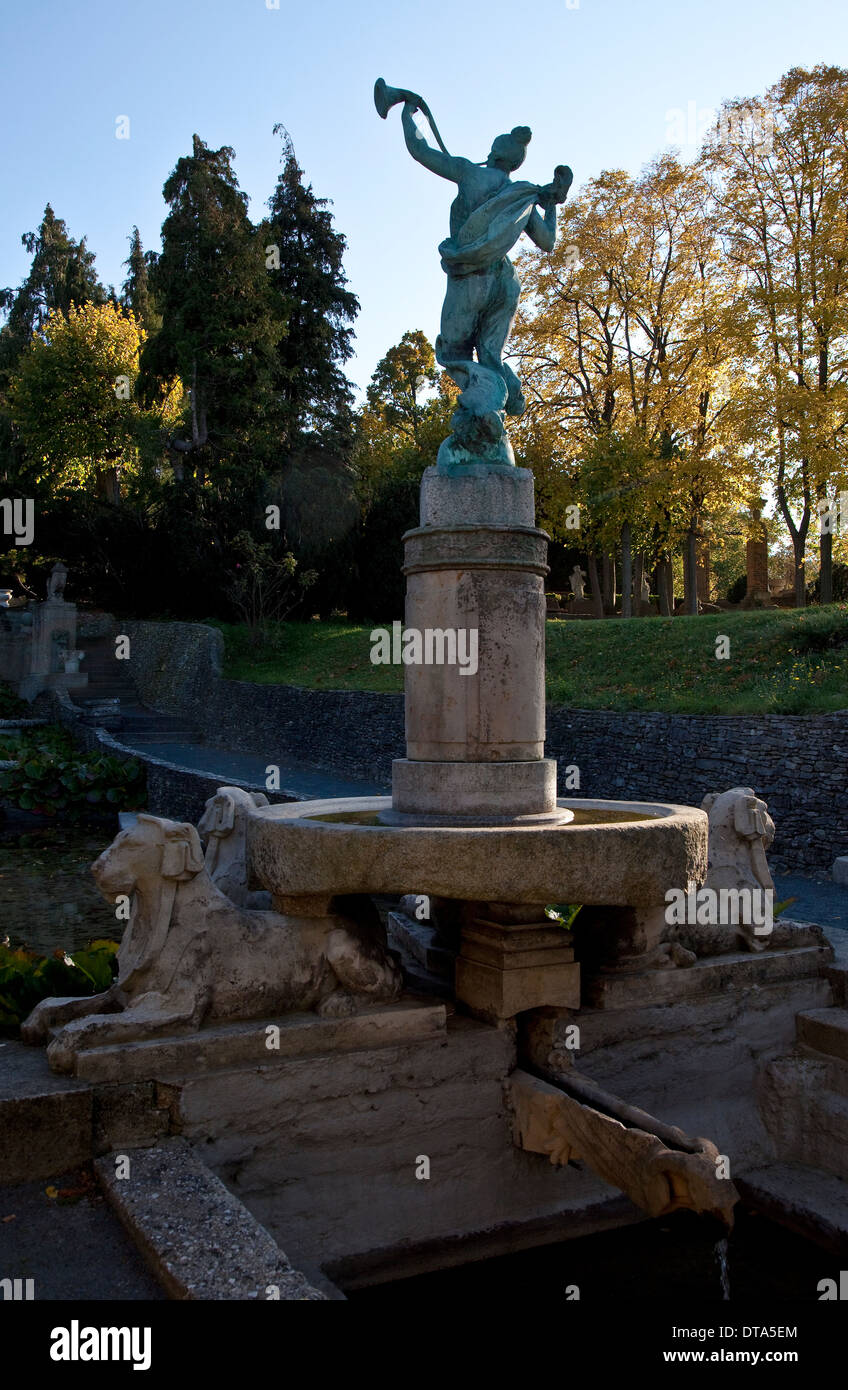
x=54, y=635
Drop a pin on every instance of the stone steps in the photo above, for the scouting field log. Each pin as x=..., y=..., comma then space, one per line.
x=810, y=1201
x=710, y=975
x=804, y=1105
x=824, y=1030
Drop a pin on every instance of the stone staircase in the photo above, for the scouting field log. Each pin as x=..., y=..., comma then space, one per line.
x=804, y=1095
x=109, y=680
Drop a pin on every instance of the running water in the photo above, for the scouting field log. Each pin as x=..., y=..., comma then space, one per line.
x=723, y=1268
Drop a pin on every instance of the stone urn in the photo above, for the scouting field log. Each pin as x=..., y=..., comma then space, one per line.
x=71, y=661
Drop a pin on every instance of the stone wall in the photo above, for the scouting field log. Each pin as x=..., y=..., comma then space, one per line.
x=173, y=664
x=179, y=793
x=798, y=763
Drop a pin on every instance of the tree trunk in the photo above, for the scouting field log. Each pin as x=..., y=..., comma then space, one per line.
x=640, y=569
x=626, y=572
x=690, y=572
x=798, y=547
x=663, y=582
x=608, y=582
x=595, y=584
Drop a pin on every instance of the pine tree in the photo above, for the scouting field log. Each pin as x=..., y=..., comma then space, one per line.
x=135, y=292
x=303, y=255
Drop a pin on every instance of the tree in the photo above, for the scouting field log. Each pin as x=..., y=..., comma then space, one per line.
x=61, y=275
x=623, y=345
x=782, y=188
x=218, y=331
x=397, y=391
x=398, y=433
x=135, y=290
x=72, y=400
x=303, y=256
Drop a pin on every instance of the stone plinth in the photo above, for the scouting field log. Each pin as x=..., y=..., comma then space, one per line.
x=54, y=629
x=476, y=701
x=756, y=563
x=486, y=793
x=488, y=581
x=519, y=962
x=478, y=496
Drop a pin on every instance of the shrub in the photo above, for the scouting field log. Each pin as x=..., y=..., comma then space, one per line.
x=26, y=977
x=52, y=778
x=738, y=589
x=840, y=584
x=822, y=631
x=10, y=706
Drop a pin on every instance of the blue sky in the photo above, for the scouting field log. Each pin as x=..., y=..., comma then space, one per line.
x=595, y=81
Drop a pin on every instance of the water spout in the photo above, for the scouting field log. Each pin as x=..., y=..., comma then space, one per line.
x=660, y=1168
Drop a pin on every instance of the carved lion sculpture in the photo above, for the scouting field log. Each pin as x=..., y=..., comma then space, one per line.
x=741, y=831
x=223, y=826
x=189, y=954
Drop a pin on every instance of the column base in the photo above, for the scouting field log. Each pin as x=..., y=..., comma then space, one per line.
x=504, y=968
x=475, y=793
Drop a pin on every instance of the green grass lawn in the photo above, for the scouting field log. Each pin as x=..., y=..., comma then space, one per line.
x=780, y=662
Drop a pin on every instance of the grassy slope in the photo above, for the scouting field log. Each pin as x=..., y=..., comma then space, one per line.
x=646, y=664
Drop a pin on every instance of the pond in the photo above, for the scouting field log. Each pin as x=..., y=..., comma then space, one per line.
x=47, y=894
x=677, y=1258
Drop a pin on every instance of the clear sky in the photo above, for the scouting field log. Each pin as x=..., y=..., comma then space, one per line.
x=596, y=81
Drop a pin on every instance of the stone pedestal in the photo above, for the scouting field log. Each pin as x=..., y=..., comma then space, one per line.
x=54, y=630
x=475, y=704
x=756, y=560
x=512, y=959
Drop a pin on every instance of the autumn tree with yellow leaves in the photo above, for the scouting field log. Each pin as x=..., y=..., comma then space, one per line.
x=780, y=176
x=73, y=403
x=623, y=340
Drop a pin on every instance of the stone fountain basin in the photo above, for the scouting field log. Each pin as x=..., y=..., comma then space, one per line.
x=626, y=853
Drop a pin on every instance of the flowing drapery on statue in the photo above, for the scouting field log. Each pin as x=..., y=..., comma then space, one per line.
x=487, y=218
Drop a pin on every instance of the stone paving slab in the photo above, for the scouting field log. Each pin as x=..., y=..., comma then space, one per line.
x=197, y=1237
x=71, y=1246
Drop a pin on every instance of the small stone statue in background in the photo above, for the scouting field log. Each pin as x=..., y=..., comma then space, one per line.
x=56, y=583
x=577, y=580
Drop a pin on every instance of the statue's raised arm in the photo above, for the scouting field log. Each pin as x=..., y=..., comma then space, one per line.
x=447, y=166
x=487, y=217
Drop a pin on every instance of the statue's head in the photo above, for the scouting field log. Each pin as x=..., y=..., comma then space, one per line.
x=508, y=151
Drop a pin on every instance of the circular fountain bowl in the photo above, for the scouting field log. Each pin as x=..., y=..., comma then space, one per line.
x=626, y=853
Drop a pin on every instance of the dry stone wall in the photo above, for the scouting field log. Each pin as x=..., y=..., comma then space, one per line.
x=797, y=763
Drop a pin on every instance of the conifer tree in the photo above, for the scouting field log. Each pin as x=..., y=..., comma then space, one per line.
x=304, y=254
x=218, y=334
